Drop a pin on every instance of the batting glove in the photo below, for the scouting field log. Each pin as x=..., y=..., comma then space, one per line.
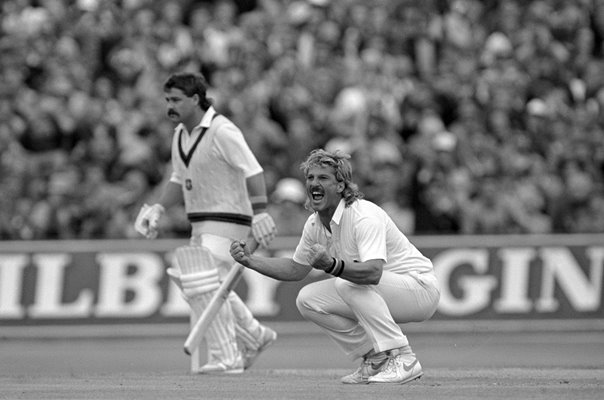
x=147, y=220
x=263, y=229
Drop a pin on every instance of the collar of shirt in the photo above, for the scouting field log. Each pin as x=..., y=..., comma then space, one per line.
x=337, y=215
x=205, y=122
x=335, y=218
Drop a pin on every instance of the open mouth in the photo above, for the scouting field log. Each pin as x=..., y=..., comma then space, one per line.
x=317, y=194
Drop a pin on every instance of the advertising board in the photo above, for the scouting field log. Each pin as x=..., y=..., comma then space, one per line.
x=482, y=278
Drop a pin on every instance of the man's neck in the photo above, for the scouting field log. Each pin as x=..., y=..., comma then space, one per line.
x=192, y=122
x=325, y=217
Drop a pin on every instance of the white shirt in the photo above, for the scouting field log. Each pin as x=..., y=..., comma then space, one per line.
x=230, y=144
x=360, y=232
x=212, y=164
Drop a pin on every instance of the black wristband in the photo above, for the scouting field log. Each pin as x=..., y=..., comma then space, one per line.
x=333, y=265
x=340, y=270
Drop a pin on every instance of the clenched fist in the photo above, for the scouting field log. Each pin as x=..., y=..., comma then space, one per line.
x=240, y=251
x=319, y=258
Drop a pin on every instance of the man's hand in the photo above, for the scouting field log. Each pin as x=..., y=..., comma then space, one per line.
x=263, y=228
x=240, y=252
x=319, y=258
x=147, y=220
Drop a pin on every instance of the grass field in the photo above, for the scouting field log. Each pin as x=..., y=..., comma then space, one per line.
x=303, y=364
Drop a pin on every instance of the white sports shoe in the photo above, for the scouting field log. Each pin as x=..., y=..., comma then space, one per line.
x=401, y=368
x=218, y=367
x=250, y=355
x=367, y=369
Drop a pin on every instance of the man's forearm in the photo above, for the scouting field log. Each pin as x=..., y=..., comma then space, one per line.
x=171, y=195
x=283, y=269
x=256, y=188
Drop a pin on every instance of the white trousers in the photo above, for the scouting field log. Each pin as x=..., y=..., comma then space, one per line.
x=247, y=328
x=359, y=318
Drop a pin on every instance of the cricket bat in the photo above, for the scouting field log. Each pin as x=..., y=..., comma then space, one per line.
x=203, y=323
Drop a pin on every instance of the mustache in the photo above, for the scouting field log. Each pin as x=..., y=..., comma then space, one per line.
x=172, y=113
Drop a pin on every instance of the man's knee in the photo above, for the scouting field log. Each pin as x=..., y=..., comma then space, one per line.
x=347, y=290
x=303, y=301
x=199, y=278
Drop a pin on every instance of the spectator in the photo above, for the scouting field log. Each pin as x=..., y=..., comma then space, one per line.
x=517, y=84
x=287, y=207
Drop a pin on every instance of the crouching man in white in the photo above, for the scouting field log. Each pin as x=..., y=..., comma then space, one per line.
x=381, y=279
x=223, y=188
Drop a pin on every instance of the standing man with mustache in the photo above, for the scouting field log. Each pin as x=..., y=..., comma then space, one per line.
x=378, y=277
x=223, y=188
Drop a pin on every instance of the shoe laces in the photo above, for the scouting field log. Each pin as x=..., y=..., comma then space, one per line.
x=393, y=363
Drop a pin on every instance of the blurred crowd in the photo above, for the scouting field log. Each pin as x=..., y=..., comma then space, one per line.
x=461, y=116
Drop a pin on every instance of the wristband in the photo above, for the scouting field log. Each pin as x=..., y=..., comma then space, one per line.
x=333, y=265
x=340, y=271
x=259, y=203
x=338, y=268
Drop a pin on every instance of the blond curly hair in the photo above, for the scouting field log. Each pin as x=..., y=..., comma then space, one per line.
x=340, y=163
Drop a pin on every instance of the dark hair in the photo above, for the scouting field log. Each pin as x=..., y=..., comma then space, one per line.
x=191, y=84
x=342, y=170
